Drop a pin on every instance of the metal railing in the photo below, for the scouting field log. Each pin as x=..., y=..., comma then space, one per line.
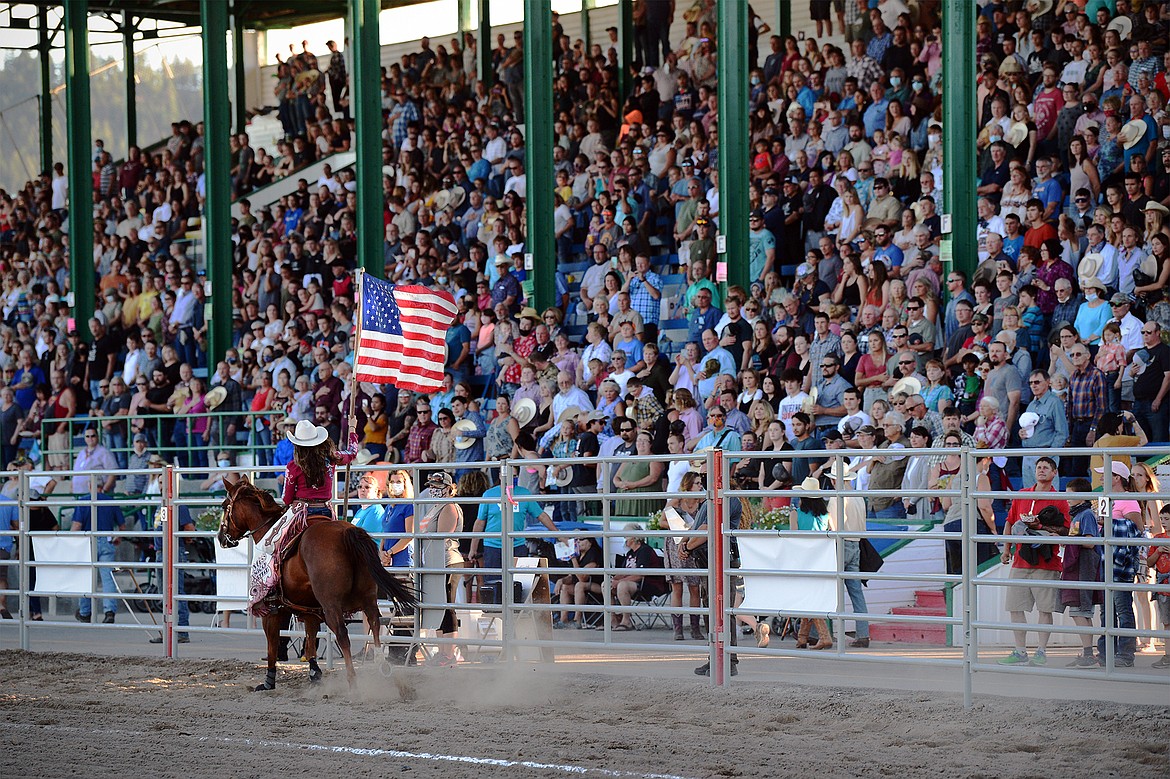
x=523, y=625
x=171, y=435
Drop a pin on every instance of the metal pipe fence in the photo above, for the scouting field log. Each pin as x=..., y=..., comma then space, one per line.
x=177, y=436
x=516, y=626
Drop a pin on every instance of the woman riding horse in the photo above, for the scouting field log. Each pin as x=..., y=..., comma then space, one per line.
x=332, y=571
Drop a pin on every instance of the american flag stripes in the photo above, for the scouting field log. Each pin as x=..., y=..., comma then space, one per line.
x=402, y=336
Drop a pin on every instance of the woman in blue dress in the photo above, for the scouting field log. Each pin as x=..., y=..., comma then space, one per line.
x=398, y=519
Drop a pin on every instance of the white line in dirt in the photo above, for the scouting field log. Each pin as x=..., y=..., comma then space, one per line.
x=365, y=752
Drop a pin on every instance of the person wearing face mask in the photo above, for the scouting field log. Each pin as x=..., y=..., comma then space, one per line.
x=397, y=519
x=439, y=550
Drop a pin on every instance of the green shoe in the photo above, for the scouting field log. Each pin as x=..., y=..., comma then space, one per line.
x=1015, y=658
x=1040, y=658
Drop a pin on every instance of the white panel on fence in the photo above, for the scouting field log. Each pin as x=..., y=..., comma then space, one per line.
x=433, y=554
x=769, y=594
x=231, y=582
x=64, y=548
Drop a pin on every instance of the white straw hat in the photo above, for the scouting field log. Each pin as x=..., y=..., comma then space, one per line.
x=307, y=434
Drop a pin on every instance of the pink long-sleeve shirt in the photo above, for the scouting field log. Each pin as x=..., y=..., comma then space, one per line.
x=297, y=488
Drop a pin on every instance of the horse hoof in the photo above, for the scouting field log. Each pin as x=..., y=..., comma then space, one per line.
x=264, y=687
x=314, y=678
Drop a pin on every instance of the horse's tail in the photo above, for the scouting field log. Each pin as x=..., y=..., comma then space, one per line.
x=362, y=548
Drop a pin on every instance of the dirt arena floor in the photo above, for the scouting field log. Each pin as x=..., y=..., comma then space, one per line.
x=65, y=715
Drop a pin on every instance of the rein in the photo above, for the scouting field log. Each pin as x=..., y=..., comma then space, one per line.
x=255, y=533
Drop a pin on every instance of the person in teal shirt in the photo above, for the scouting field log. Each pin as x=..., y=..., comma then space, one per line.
x=491, y=520
x=812, y=512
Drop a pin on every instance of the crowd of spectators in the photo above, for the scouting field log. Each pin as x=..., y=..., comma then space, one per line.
x=852, y=332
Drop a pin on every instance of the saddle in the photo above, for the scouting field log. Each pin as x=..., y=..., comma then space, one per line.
x=277, y=546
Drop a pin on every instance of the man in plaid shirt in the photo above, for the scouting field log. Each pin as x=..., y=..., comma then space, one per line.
x=1085, y=403
x=645, y=288
x=421, y=433
x=864, y=68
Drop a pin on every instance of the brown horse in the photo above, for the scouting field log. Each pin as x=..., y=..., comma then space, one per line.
x=334, y=571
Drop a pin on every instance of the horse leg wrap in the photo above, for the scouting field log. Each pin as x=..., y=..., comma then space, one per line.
x=269, y=682
x=314, y=671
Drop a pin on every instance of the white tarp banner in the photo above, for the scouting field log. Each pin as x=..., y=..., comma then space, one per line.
x=231, y=582
x=771, y=594
x=64, y=548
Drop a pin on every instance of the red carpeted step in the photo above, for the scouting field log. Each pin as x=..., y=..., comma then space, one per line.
x=919, y=611
x=908, y=633
x=930, y=598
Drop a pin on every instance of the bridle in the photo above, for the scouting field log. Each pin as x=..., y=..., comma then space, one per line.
x=228, y=522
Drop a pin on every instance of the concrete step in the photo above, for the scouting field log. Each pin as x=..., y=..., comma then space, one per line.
x=918, y=611
x=930, y=599
x=908, y=633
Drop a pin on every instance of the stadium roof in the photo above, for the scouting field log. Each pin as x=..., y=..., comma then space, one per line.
x=255, y=14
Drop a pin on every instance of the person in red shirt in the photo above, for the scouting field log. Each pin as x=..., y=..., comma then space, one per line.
x=309, y=477
x=1022, y=598
x=1039, y=230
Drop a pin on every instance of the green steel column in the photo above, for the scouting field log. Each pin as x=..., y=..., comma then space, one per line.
x=239, y=90
x=733, y=138
x=484, y=43
x=784, y=18
x=367, y=108
x=625, y=27
x=46, y=97
x=586, y=31
x=80, y=164
x=464, y=17
x=217, y=216
x=128, y=28
x=959, y=174
x=538, y=143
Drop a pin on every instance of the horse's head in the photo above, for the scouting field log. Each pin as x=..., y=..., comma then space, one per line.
x=246, y=509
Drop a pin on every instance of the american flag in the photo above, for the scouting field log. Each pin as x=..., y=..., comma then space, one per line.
x=402, y=339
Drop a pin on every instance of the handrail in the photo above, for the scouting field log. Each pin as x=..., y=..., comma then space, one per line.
x=153, y=426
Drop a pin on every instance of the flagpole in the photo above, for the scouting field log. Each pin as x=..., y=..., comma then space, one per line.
x=353, y=376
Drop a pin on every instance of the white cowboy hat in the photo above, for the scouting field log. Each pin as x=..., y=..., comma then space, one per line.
x=307, y=434
x=1149, y=266
x=572, y=412
x=1092, y=282
x=462, y=441
x=810, y=401
x=1090, y=265
x=1028, y=422
x=440, y=200
x=524, y=411
x=564, y=476
x=458, y=196
x=1016, y=134
x=1123, y=25
x=364, y=457
x=1118, y=467
x=213, y=398
x=849, y=475
x=810, y=484
x=907, y=385
x=1038, y=7
x=1154, y=205
x=1131, y=132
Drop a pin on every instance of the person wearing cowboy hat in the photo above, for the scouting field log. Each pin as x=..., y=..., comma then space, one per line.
x=469, y=430
x=309, y=478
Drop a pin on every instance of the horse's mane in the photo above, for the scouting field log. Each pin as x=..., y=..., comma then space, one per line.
x=267, y=503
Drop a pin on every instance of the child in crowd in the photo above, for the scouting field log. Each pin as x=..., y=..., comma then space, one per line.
x=1111, y=360
x=1031, y=320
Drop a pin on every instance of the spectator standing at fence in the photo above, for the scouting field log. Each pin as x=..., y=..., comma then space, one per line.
x=1051, y=425
x=1126, y=516
x=1082, y=563
x=95, y=457
x=1022, y=598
